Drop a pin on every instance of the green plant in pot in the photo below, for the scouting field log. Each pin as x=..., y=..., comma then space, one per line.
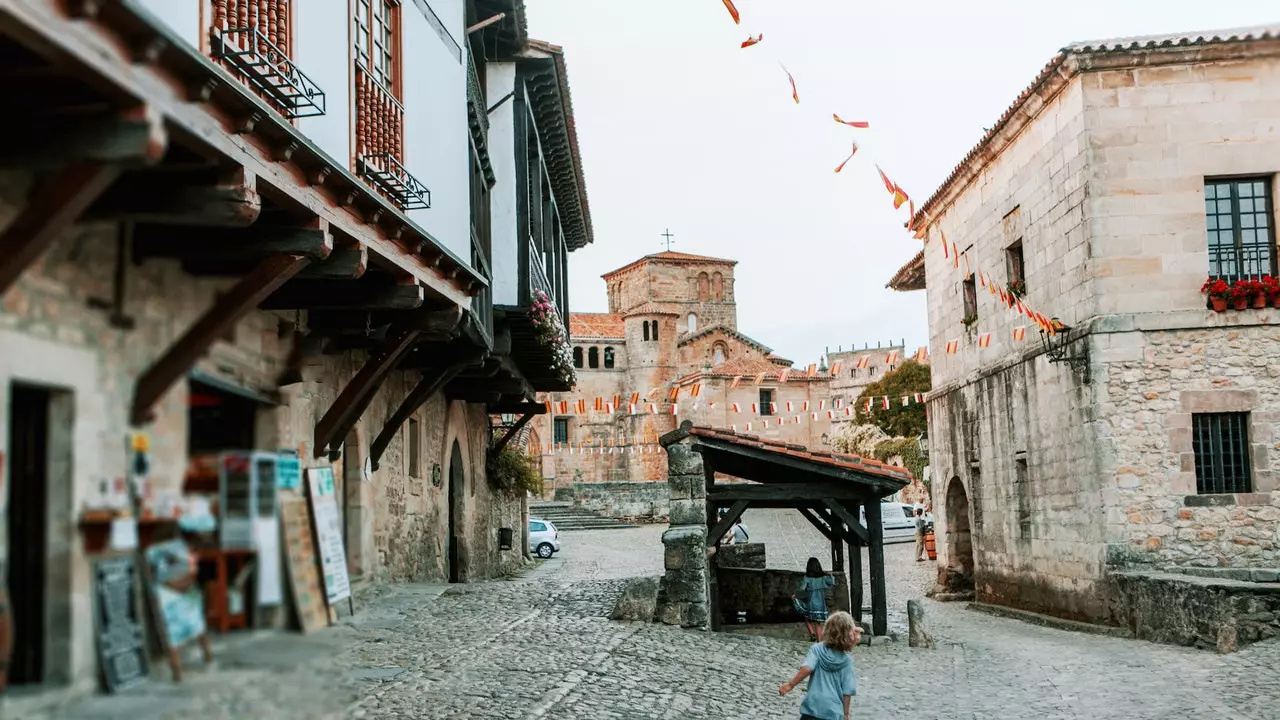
x=1218, y=292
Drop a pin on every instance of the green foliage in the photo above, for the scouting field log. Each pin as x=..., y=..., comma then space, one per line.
x=907, y=449
x=908, y=379
x=514, y=473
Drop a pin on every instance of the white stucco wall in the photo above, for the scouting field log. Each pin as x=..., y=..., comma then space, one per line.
x=436, y=134
x=322, y=40
x=500, y=81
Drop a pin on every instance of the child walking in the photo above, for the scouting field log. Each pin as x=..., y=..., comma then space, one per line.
x=814, y=606
x=829, y=667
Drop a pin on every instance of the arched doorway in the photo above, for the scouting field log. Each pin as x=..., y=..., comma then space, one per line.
x=957, y=576
x=457, y=487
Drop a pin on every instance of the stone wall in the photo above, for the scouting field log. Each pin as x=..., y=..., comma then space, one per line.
x=765, y=595
x=684, y=591
x=619, y=499
x=1219, y=613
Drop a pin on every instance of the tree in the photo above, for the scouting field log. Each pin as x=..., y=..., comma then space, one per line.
x=908, y=379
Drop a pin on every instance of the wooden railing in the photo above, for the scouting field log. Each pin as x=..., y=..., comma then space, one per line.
x=379, y=119
x=269, y=17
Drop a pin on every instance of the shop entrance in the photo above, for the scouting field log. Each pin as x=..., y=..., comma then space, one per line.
x=28, y=536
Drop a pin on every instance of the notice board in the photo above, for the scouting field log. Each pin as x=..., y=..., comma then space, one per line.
x=304, y=577
x=117, y=623
x=333, y=555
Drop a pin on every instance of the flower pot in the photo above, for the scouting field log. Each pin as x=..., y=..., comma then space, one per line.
x=1273, y=299
x=1219, y=304
x=1259, y=301
x=1240, y=303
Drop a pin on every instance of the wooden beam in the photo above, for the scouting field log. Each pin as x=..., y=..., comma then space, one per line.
x=167, y=198
x=356, y=396
x=340, y=294
x=245, y=244
x=799, y=493
x=54, y=206
x=740, y=453
x=136, y=136
x=428, y=386
x=233, y=305
x=502, y=442
x=875, y=549
x=716, y=533
x=855, y=580
x=821, y=526
x=341, y=263
x=850, y=521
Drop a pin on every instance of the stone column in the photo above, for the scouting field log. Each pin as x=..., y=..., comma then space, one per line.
x=684, y=592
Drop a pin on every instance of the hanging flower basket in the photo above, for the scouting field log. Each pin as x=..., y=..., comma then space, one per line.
x=552, y=334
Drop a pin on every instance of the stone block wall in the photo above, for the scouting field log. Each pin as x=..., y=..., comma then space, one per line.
x=765, y=595
x=619, y=499
x=1214, y=613
x=684, y=590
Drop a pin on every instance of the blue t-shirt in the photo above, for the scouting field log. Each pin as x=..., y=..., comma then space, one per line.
x=815, y=593
x=832, y=679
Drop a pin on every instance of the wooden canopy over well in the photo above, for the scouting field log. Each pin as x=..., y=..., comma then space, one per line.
x=828, y=489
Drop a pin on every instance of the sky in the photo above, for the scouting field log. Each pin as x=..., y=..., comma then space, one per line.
x=680, y=128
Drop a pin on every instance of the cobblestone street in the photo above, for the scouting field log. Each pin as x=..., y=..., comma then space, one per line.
x=541, y=647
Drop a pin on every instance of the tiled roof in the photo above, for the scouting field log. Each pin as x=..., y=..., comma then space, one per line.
x=596, y=325
x=749, y=367
x=673, y=257
x=854, y=463
x=649, y=309
x=909, y=276
x=727, y=331
x=981, y=154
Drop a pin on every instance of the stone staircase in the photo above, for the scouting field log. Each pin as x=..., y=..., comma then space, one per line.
x=565, y=516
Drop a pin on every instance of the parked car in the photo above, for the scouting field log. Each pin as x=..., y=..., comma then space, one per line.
x=544, y=538
x=899, y=521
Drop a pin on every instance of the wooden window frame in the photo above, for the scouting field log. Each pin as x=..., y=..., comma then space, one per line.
x=1016, y=263
x=970, y=290
x=396, y=25
x=556, y=424
x=771, y=394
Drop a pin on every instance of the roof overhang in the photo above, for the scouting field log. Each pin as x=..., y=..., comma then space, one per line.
x=724, y=330
x=910, y=276
x=508, y=36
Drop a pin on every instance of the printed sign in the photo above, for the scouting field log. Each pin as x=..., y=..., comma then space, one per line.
x=288, y=471
x=177, y=594
x=122, y=649
x=300, y=551
x=333, y=555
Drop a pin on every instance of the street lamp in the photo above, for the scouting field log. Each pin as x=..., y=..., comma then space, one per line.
x=1055, y=347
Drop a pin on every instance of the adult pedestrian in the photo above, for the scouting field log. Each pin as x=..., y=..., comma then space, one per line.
x=740, y=534
x=829, y=667
x=920, y=523
x=814, y=588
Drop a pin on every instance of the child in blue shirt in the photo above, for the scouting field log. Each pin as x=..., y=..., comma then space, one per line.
x=829, y=667
x=814, y=588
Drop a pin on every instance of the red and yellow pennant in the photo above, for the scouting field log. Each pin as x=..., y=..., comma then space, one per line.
x=846, y=160
x=922, y=353
x=863, y=362
x=835, y=369
x=984, y=340
x=752, y=41
x=733, y=12
x=1019, y=334
x=795, y=94
x=735, y=382
x=953, y=346
x=852, y=123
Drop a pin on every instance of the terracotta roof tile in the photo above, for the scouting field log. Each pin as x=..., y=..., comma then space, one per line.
x=648, y=309
x=596, y=325
x=837, y=460
x=727, y=331
x=673, y=257
x=749, y=367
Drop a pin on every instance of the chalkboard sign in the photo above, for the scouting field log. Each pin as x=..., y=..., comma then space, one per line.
x=122, y=648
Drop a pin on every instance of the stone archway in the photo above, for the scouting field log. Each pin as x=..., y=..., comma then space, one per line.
x=957, y=574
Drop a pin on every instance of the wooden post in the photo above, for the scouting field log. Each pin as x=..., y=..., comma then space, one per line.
x=879, y=603
x=855, y=578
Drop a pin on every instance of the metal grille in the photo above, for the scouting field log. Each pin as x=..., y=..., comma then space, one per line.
x=766, y=400
x=1221, y=445
x=561, y=430
x=1240, y=228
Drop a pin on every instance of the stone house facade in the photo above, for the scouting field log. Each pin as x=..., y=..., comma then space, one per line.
x=1144, y=436
x=205, y=270
x=672, y=326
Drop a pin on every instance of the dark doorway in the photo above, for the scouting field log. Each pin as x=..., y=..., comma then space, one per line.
x=219, y=421
x=957, y=575
x=28, y=539
x=457, y=486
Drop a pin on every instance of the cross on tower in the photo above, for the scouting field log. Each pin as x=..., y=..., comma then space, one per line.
x=668, y=239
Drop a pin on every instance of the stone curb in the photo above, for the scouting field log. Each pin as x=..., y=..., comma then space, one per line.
x=1053, y=622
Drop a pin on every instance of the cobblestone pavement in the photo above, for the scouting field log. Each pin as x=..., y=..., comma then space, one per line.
x=542, y=648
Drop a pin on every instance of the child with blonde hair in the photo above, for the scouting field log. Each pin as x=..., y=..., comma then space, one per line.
x=829, y=667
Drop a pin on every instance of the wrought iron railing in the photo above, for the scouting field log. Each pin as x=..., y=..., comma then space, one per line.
x=475, y=96
x=389, y=177
x=268, y=69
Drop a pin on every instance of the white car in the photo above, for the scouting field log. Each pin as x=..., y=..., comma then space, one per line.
x=899, y=521
x=544, y=538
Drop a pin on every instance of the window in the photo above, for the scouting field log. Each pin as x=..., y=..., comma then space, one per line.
x=655, y=330
x=871, y=371
x=717, y=287
x=379, y=116
x=608, y=358
x=560, y=430
x=415, y=449
x=704, y=287
x=646, y=330
x=1014, y=267
x=970, y=300
x=853, y=372
x=766, y=402
x=1240, y=228
x=593, y=357
x=718, y=354
x=1220, y=442
x=693, y=323
x=535, y=526
x=376, y=23
x=577, y=356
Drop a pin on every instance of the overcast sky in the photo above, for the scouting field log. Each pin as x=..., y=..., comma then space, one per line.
x=681, y=128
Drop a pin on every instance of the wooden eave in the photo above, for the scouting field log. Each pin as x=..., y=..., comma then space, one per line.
x=218, y=117
x=910, y=276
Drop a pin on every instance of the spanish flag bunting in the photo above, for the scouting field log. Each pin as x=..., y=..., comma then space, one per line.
x=967, y=272
x=982, y=279
x=849, y=411
x=737, y=380
x=599, y=404
x=617, y=401
x=863, y=362
x=749, y=427
x=783, y=374
x=822, y=404
x=919, y=397
x=945, y=252
x=984, y=340
x=1022, y=309
x=549, y=410
x=852, y=123
x=696, y=391
x=795, y=94
x=631, y=409
x=812, y=370
x=796, y=420
x=899, y=197
x=891, y=358
x=773, y=408
x=755, y=410
x=788, y=406
x=955, y=257
x=911, y=215
x=608, y=408
x=885, y=402
x=888, y=184
x=813, y=417
x=844, y=162
x=953, y=346
x=635, y=398
x=675, y=408
x=922, y=353
x=869, y=404
x=905, y=401
x=831, y=414
x=653, y=408
x=737, y=408
x=835, y=370
x=674, y=394
x=582, y=407
x=839, y=403
x=1003, y=297
x=733, y=12
x=922, y=233
x=760, y=378
x=752, y=40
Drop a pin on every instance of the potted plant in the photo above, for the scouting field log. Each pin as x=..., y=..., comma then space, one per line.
x=969, y=320
x=1241, y=294
x=1270, y=290
x=1017, y=288
x=1258, y=296
x=1218, y=292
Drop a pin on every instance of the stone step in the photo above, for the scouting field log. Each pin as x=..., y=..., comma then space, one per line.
x=566, y=516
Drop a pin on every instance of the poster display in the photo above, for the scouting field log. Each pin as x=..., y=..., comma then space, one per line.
x=333, y=555
x=177, y=594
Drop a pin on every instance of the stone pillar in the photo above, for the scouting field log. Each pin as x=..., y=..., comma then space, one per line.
x=684, y=592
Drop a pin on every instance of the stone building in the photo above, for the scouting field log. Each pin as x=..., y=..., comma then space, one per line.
x=859, y=368
x=214, y=259
x=672, y=325
x=1143, y=436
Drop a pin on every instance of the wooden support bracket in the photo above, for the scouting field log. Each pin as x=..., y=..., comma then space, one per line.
x=348, y=263
x=850, y=521
x=134, y=137
x=165, y=198
x=502, y=442
x=54, y=206
x=233, y=305
x=430, y=384
x=344, y=295
x=716, y=533
x=221, y=245
x=826, y=530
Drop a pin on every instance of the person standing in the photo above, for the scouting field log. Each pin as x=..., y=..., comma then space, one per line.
x=920, y=534
x=829, y=667
x=814, y=586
